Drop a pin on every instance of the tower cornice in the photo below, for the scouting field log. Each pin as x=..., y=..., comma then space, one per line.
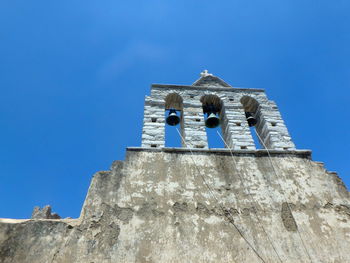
x=231, y=89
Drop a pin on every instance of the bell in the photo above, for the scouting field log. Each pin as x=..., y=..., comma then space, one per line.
x=172, y=118
x=212, y=121
x=250, y=119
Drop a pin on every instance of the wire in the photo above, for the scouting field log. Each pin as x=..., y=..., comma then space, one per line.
x=252, y=199
x=273, y=167
x=225, y=212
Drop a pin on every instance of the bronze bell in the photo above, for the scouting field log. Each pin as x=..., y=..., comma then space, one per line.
x=250, y=119
x=212, y=121
x=172, y=118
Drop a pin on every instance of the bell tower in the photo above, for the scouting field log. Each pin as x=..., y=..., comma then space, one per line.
x=210, y=102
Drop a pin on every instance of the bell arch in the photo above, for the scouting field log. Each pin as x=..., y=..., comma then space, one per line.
x=253, y=116
x=215, y=120
x=269, y=125
x=212, y=99
x=212, y=106
x=174, y=101
x=173, y=106
x=249, y=104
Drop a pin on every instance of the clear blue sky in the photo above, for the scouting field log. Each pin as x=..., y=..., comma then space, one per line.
x=73, y=76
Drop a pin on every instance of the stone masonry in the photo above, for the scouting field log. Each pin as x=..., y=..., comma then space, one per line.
x=235, y=129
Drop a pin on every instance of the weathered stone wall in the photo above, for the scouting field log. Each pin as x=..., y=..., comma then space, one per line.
x=153, y=134
x=234, y=125
x=156, y=207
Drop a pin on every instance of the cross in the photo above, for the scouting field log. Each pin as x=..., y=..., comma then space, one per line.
x=205, y=73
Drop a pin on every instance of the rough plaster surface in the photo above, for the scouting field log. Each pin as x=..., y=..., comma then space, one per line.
x=44, y=213
x=172, y=206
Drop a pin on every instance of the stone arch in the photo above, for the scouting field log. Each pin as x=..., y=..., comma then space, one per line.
x=218, y=104
x=174, y=101
x=212, y=99
x=252, y=108
x=249, y=104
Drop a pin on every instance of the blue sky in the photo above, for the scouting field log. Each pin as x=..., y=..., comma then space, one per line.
x=73, y=76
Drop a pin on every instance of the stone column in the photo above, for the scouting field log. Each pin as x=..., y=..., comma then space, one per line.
x=153, y=133
x=272, y=129
x=194, y=127
x=235, y=129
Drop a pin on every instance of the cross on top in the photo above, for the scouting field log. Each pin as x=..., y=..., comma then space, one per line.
x=206, y=73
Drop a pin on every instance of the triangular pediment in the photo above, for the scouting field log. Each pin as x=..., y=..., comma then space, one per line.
x=209, y=80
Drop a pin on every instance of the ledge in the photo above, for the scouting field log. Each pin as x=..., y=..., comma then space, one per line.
x=71, y=221
x=258, y=153
x=233, y=89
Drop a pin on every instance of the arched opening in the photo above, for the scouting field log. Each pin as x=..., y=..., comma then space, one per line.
x=252, y=114
x=173, y=120
x=214, y=117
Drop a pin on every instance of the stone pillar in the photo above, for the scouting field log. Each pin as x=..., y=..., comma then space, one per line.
x=194, y=128
x=153, y=133
x=272, y=129
x=235, y=129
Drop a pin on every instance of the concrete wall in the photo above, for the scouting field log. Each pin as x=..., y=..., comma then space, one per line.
x=171, y=206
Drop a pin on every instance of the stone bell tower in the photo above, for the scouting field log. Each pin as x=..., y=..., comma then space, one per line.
x=194, y=204
x=231, y=105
